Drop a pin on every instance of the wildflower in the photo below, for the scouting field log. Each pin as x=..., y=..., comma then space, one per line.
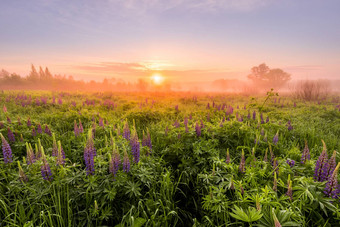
x=4, y=109
x=254, y=115
x=9, y=120
x=276, y=166
x=146, y=142
x=321, y=166
x=81, y=129
x=22, y=176
x=19, y=121
x=34, y=132
x=305, y=154
x=261, y=116
x=248, y=116
x=276, y=138
x=331, y=165
x=289, y=192
x=198, y=129
x=47, y=130
x=276, y=221
x=61, y=155
x=39, y=129
x=101, y=123
x=126, y=162
x=114, y=162
x=60, y=101
x=242, y=163
x=290, y=127
x=45, y=168
x=6, y=150
x=331, y=189
x=227, y=160
x=29, y=124
x=291, y=163
x=10, y=135
x=38, y=150
x=89, y=154
x=135, y=147
x=126, y=131
x=30, y=154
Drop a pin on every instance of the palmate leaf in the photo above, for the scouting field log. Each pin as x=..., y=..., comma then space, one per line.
x=247, y=216
x=283, y=217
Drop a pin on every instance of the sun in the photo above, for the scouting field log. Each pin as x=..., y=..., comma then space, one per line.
x=157, y=78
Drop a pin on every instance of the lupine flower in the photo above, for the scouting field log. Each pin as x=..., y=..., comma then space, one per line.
x=321, y=167
x=61, y=155
x=29, y=124
x=39, y=129
x=331, y=165
x=147, y=141
x=332, y=187
x=232, y=186
x=101, y=123
x=248, y=116
x=305, y=154
x=242, y=163
x=6, y=150
x=38, y=150
x=45, y=168
x=60, y=101
x=30, y=154
x=22, y=176
x=198, y=129
x=227, y=160
x=4, y=109
x=275, y=182
x=10, y=135
x=276, y=166
x=291, y=163
x=261, y=116
x=9, y=120
x=276, y=138
x=254, y=115
x=241, y=189
x=176, y=107
x=289, y=192
x=276, y=221
x=81, y=129
x=114, y=162
x=135, y=146
x=267, y=119
x=290, y=127
x=126, y=162
x=34, y=132
x=19, y=121
x=89, y=154
x=126, y=131
x=47, y=130
x=76, y=129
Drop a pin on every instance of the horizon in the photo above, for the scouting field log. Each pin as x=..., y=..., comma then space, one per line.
x=183, y=41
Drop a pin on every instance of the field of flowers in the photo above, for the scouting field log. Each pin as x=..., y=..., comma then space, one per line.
x=168, y=159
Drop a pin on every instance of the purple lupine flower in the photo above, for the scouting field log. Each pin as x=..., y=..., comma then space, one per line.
x=10, y=135
x=126, y=162
x=38, y=150
x=114, y=163
x=22, y=176
x=39, y=129
x=305, y=154
x=47, y=130
x=291, y=163
x=76, y=129
x=4, y=109
x=276, y=166
x=248, y=116
x=208, y=106
x=227, y=160
x=331, y=165
x=289, y=125
x=261, y=116
x=147, y=141
x=89, y=154
x=126, y=131
x=29, y=124
x=198, y=129
x=276, y=138
x=81, y=129
x=9, y=120
x=267, y=119
x=332, y=186
x=60, y=101
x=135, y=146
x=34, y=132
x=6, y=150
x=30, y=154
x=242, y=163
x=101, y=123
x=321, y=166
x=61, y=155
x=176, y=124
x=46, y=172
x=254, y=115
x=176, y=107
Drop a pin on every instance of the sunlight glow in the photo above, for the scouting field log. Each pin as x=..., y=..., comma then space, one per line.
x=157, y=78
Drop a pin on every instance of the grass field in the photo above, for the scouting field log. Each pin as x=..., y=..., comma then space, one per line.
x=168, y=159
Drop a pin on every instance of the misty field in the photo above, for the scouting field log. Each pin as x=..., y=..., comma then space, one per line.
x=168, y=159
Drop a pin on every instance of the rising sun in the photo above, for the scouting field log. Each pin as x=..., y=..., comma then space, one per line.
x=157, y=78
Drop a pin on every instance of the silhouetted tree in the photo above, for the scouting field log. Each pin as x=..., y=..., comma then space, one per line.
x=33, y=76
x=264, y=77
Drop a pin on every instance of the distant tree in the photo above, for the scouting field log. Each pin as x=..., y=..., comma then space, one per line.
x=4, y=74
x=264, y=77
x=48, y=74
x=42, y=74
x=33, y=76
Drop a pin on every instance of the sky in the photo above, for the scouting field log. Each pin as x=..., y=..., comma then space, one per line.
x=182, y=40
